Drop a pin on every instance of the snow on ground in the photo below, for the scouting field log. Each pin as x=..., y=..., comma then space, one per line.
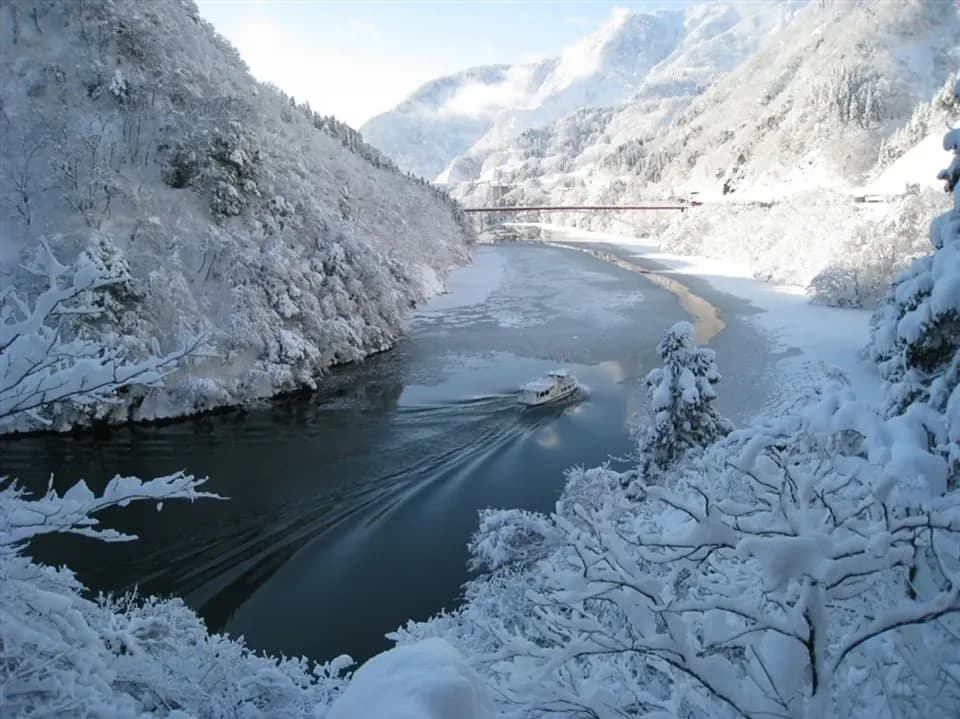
x=828, y=339
x=912, y=168
x=426, y=679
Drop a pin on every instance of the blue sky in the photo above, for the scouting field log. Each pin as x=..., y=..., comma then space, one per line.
x=355, y=59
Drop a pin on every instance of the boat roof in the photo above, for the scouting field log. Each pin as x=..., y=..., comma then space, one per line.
x=558, y=373
x=538, y=385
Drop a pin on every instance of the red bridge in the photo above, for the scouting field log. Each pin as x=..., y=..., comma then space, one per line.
x=585, y=208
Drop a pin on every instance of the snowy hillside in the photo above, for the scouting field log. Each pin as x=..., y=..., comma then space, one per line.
x=816, y=114
x=135, y=140
x=811, y=105
x=679, y=54
x=658, y=56
x=444, y=117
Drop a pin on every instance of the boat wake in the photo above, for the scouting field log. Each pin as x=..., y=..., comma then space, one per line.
x=430, y=449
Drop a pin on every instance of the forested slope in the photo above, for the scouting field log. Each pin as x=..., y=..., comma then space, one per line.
x=135, y=140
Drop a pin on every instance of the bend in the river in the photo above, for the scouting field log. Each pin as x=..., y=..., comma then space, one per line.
x=350, y=509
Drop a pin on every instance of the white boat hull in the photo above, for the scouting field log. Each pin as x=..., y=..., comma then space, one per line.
x=554, y=389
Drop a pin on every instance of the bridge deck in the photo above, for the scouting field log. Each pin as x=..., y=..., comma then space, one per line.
x=583, y=208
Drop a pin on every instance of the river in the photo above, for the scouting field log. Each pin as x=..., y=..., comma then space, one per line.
x=349, y=509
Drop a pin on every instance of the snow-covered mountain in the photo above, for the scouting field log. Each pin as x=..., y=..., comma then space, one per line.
x=683, y=53
x=135, y=140
x=814, y=103
x=450, y=127
x=815, y=115
x=810, y=103
x=444, y=117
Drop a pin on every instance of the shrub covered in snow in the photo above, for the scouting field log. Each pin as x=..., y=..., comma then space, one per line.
x=798, y=568
x=67, y=655
x=509, y=537
x=681, y=399
x=862, y=267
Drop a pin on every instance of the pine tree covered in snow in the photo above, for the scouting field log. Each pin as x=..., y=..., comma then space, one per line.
x=854, y=95
x=915, y=337
x=927, y=118
x=349, y=138
x=681, y=399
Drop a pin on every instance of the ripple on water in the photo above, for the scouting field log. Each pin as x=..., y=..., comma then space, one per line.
x=350, y=509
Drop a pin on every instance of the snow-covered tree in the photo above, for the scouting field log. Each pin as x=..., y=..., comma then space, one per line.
x=799, y=568
x=915, y=333
x=854, y=94
x=681, y=399
x=46, y=365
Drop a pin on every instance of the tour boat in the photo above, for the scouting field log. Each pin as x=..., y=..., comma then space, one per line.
x=557, y=385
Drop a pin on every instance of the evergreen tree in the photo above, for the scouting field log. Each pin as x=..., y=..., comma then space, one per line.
x=915, y=333
x=681, y=396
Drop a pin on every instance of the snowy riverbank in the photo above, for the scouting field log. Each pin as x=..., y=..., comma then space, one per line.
x=208, y=206
x=762, y=573
x=809, y=339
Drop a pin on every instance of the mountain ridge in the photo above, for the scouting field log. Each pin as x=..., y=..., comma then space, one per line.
x=658, y=55
x=135, y=139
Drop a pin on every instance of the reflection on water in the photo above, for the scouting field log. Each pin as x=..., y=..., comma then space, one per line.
x=349, y=510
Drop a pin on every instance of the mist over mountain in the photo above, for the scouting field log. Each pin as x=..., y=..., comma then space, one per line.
x=449, y=127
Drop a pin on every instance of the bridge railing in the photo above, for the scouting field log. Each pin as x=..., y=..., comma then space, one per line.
x=678, y=206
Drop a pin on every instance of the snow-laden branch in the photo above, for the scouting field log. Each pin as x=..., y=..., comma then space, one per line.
x=22, y=518
x=752, y=577
x=39, y=367
x=912, y=613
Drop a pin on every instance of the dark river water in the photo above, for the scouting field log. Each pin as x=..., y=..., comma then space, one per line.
x=349, y=509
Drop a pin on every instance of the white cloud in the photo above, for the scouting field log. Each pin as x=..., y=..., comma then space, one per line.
x=479, y=99
x=352, y=84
